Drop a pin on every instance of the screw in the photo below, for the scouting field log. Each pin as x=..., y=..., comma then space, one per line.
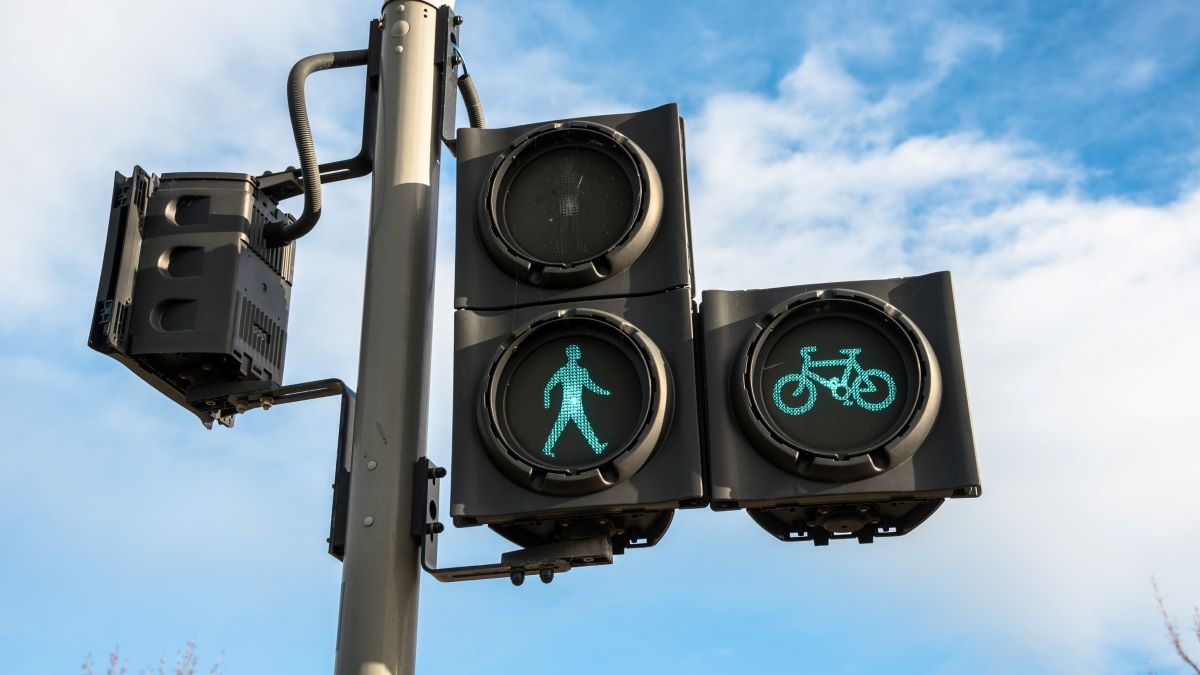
x=517, y=577
x=546, y=574
x=371, y=465
x=267, y=402
x=369, y=521
x=439, y=472
x=437, y=528
x=458, y=20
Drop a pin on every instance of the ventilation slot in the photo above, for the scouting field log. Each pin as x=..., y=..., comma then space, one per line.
x=260, y=333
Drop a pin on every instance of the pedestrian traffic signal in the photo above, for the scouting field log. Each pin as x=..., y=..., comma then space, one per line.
x=545, y=361
x=837, y=410
x=576, y=411
x=191, y=297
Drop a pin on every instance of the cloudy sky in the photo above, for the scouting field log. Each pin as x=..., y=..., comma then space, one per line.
x=1048, y=154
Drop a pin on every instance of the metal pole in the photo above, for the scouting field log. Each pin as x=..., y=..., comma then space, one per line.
x=377, y=626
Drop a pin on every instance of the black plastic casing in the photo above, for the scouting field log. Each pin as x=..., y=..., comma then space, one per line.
x=647, y=284
x=672, y=477
x=480, y=283
x=190, y=297
x=792, y=507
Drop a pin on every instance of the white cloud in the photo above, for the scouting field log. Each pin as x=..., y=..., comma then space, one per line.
x=951, y=42
x=1141, y=73
x=829, y=182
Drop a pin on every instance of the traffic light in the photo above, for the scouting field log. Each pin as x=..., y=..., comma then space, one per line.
x=837, y=410
x=191, y=297
x=575, y=404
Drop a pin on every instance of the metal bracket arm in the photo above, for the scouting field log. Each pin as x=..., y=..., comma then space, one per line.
x=544, y=561
x=228, y=404
x=446, y=60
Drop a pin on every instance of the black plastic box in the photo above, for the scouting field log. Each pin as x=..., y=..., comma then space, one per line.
x=190, y=297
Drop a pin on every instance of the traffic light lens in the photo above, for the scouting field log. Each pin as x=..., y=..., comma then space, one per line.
x=576, y=401
x=572, y=402
x=569, y=205
x=835, y=385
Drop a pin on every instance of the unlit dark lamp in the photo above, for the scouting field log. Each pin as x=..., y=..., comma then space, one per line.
x=570, y=203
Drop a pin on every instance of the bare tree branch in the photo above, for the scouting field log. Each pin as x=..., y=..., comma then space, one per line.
x=1172, y=631
x=1196, y=621
x=187, y=661
x=115, y=667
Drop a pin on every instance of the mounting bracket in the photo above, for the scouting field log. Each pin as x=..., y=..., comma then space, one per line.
x=545, y=561
x=229, y=402
x=447, y=60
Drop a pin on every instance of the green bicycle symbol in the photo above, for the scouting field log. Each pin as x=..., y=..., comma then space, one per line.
x=849, y=388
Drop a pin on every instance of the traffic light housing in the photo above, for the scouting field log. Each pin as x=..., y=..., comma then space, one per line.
x=575, y=404
x=530, y=232
x=191, y=298
x=837, y=410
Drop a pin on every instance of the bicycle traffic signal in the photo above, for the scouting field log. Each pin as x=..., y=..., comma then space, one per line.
x=837, y=410
x=575, y=405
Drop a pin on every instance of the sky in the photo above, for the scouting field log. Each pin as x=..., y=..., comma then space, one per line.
x=1047, y=154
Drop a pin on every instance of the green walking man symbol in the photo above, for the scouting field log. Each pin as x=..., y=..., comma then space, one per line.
x=573, y=378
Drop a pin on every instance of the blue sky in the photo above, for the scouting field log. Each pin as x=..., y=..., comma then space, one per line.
x=1048, y=154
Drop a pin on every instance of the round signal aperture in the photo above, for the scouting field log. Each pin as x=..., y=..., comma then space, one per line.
x=569, y=204
x=837, y=384
x=575, y=402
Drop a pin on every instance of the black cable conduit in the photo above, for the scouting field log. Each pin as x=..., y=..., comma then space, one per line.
x=280, y=234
